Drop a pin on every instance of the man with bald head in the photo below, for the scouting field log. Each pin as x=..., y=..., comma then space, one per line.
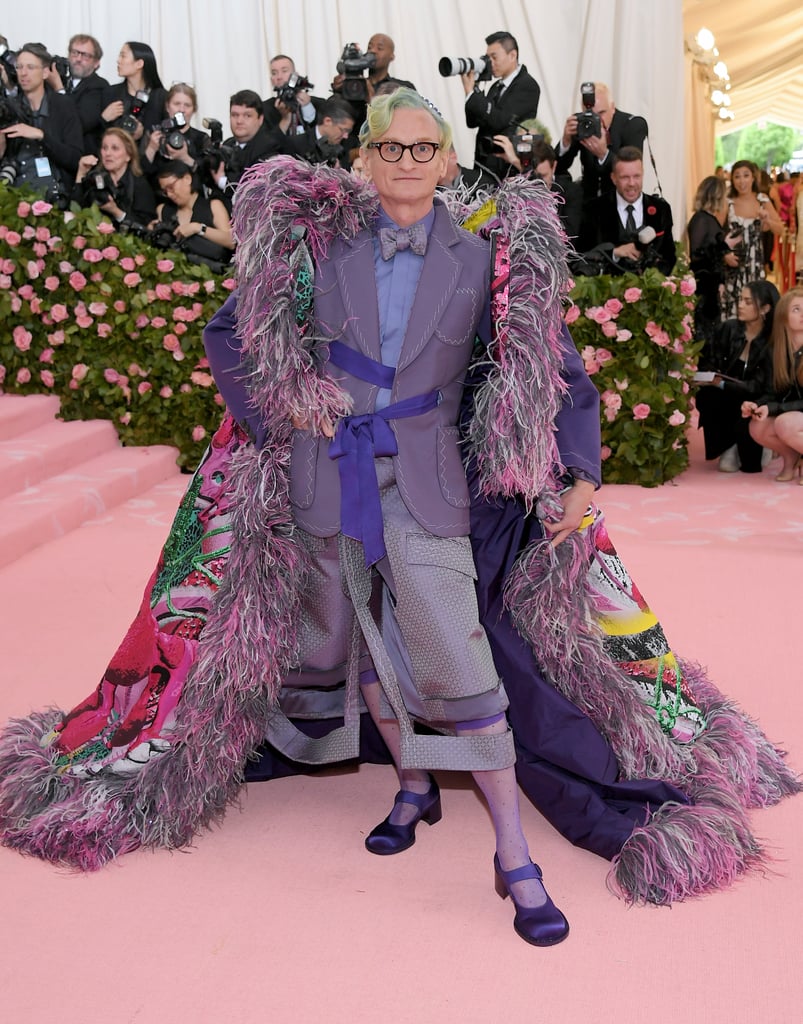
x=384, y=50
x=619, y=129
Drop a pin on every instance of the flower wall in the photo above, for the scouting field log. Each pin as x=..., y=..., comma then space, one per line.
x=634, y=333
x=107, y=323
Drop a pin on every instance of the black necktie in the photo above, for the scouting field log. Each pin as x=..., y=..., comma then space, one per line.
x=496, y=91
x=630, y=222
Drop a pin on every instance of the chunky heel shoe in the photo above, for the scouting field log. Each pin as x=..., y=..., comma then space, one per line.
x=388, y=838
x=540, y=926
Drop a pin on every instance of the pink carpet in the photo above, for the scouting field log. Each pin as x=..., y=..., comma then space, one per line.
x=282, y=916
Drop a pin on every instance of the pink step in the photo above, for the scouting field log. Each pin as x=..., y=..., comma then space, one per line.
x=22, y=413
x=50, y=449
x=60, y=503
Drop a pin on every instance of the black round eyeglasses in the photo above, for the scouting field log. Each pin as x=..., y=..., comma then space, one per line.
x=392, y=152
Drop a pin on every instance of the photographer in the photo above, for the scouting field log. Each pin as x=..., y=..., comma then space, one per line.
x=175, y=138
x=249, y=143
x=84, y=86
x=512, y=98
x=351, y=83
x=41, y=138
x=291, y=107
x=115, y=182
x=529, y=154
x=190, y=222
x=323, y=143
x=626, y=229
x=616, y=130
x=138, y=101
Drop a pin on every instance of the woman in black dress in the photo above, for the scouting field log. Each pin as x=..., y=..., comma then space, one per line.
x=711, y=252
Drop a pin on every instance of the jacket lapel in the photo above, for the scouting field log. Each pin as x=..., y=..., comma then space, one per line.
x=357, y=283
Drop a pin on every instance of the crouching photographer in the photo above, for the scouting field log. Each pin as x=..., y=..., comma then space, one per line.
x=115, y=182
x=188, y=221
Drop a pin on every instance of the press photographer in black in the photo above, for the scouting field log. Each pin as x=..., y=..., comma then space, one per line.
x=84, y=86
x=323, y=142
x=40, y=132
x=249, y=143
x=138, y=102
x=291, y=107
x=115, y=182
x=175, y=138
x=512, y=98
x=189, y=222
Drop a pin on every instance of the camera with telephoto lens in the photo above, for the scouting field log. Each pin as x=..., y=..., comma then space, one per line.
x=588, y=123
x=8, y=61
x=288, y=93
x=449, y=66
x=352, y=65
x=171, y=133
x=99, y=186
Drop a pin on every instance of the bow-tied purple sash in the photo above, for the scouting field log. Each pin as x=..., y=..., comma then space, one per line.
x=358, y=441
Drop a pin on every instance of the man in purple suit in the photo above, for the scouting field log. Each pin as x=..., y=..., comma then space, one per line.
x=381, y=504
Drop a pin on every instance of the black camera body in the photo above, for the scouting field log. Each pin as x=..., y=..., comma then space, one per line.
x=62, y=66
x=161, y=236
x=99, y=186
x=8, y=59
x=352, y=65
x=171, y=134
x=448, y=66
x=588, y=123
x=217, y=153
x=12, y=113
x=288, y=93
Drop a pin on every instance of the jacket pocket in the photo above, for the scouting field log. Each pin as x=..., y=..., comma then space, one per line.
x=451, y=472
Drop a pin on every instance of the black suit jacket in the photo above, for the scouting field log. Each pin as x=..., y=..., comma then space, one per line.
x=492, y=116
x=625, y=130
x=602, y=226
x=87, y=95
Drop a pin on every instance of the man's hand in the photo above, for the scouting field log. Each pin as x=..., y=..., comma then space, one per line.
x=23, y=131
x=113, y=111
x=575, y=502
x=569, y=131
x=303, y=423
x=469, y=80
x=597, y=145
x=628, y=251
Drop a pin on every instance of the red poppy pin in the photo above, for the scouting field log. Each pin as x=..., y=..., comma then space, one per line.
x=651, y=211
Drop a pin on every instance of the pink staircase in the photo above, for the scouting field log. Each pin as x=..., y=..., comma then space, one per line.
x=55, y=476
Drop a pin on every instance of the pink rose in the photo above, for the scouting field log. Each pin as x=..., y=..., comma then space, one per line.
x=32, y=270
x=47, y=378
x=603, y=356
x=36, y=306
x=598, y=314
x=83, y=320
x=688, y=286
x=164, y=266
x=93, y=255
x=641, y=411
x=127, y=263
x=202, y=364
x=132, y=280
x=23, y=375
x=670, y=285
x=621, y=385
x=185, y=389
x=143, y=387
x=51, y=283
x=178, y=288
x=8, y=266
x=13, y=238
x=125, y=419
x=40, y=207
x=572, y=313
x=40, y=249
x=23, y=208
x=623, y=335
x=5, y=282
x=74, y=385
x=165, y=392
x=56, y=338
x=171, y=342
x=142, y=321
x=605, y=452
x=219, y=399
x=111, y=252
x=180, y=328
x=42, y=233
x=58, y=313
x=632, y=294
x=610, y=414
x=25, y=292
x=46, y=356
x=230, y=284
x=614, y=307
x=105, y=228
x=203, y=380
x=611, y=400
x=139, y=259
x=79, y=242
x=662, y=338
x=104, y=330
x=164, y=291
x=97, y=308
x=210, y=287
x=16, y=303
x=135, y=370
x=178, y=355
x=198, y=433
x=77, y=280
x=609, y=329
x=28, y=232
x=65, y=267
x=22, y=338
x=158, y=321
x=110, y=375
x=119, y=305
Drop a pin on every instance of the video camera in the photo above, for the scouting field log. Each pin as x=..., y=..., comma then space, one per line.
x=588, y=123
x=449, y=66
x=352, y=65
x=288, y=93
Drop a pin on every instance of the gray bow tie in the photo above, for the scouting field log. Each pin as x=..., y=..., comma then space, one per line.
x=393, y=240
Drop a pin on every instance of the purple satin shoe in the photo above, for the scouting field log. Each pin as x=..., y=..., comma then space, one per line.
x=540, y=926
x=388, y=838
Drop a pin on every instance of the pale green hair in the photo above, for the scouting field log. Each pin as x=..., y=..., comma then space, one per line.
x=382, y=108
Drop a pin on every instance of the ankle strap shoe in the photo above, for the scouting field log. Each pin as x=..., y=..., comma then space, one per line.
x=388, y=838
x=540, y=926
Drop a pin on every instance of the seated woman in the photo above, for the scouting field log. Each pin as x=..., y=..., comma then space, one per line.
x=739, y=356
x=115, y=181
x=201, y=227
x=711, y=251
x=776, y=418
x=159, y=146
